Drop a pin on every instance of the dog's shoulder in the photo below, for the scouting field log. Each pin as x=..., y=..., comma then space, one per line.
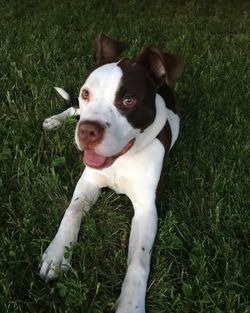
x=168, y=96
x=166, y=136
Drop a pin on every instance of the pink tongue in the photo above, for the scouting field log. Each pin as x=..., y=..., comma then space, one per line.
x=93, y=159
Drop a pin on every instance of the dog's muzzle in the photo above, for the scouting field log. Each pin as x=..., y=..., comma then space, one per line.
x=90, y=134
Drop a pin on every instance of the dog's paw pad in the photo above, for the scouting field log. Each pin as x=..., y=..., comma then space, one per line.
x=51, y=123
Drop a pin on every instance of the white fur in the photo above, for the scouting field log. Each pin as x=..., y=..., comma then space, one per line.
x=53, y=259
x=174, y=122
x=101, y=108
x=55, y=121
x=136, y=174
x=63, y=93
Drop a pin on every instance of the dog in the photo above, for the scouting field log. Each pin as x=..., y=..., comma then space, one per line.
x=128, y=123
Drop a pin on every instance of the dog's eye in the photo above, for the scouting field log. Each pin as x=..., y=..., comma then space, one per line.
x=128, y=101
x=85, y=94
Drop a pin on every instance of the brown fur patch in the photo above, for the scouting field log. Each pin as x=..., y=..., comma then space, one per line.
x=136, y=81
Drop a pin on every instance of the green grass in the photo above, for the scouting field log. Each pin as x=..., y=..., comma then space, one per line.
x=201, y=259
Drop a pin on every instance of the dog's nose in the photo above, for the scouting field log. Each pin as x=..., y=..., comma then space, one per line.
x=90, y=133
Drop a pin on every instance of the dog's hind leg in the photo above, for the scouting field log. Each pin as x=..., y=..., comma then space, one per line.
x=55, y=121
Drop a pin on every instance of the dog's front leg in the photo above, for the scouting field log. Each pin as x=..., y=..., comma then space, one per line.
x=56, y=257
x=143, y=231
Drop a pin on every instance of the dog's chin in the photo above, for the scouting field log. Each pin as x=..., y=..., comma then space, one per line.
x=98, y=161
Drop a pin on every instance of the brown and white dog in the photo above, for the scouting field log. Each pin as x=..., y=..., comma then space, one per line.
x=128, y=123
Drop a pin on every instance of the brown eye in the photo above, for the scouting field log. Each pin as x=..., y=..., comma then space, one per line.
x=129, y=101
x=85, y=94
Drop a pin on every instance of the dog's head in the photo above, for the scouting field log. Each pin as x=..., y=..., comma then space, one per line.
x=117, y=100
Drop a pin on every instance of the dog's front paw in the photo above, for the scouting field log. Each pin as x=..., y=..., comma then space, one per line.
x=130, y=309
x=51, y=123
x=55, y=259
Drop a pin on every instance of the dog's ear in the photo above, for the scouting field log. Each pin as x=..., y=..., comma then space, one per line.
x=162, y=67
x=107, y=49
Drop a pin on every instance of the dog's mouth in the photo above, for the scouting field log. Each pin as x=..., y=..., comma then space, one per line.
x=98, y=161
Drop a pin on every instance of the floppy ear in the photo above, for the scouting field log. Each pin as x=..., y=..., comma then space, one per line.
x=163, y=67
x=107, y=49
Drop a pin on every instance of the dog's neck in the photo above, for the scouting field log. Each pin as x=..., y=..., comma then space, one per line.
x=150, y=133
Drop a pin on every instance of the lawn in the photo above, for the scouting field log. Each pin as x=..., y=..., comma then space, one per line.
x=201, y=258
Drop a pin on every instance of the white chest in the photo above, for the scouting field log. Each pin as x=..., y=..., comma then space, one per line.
x=133, y=173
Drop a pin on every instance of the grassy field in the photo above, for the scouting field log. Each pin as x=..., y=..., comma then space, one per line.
x=201, y=259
